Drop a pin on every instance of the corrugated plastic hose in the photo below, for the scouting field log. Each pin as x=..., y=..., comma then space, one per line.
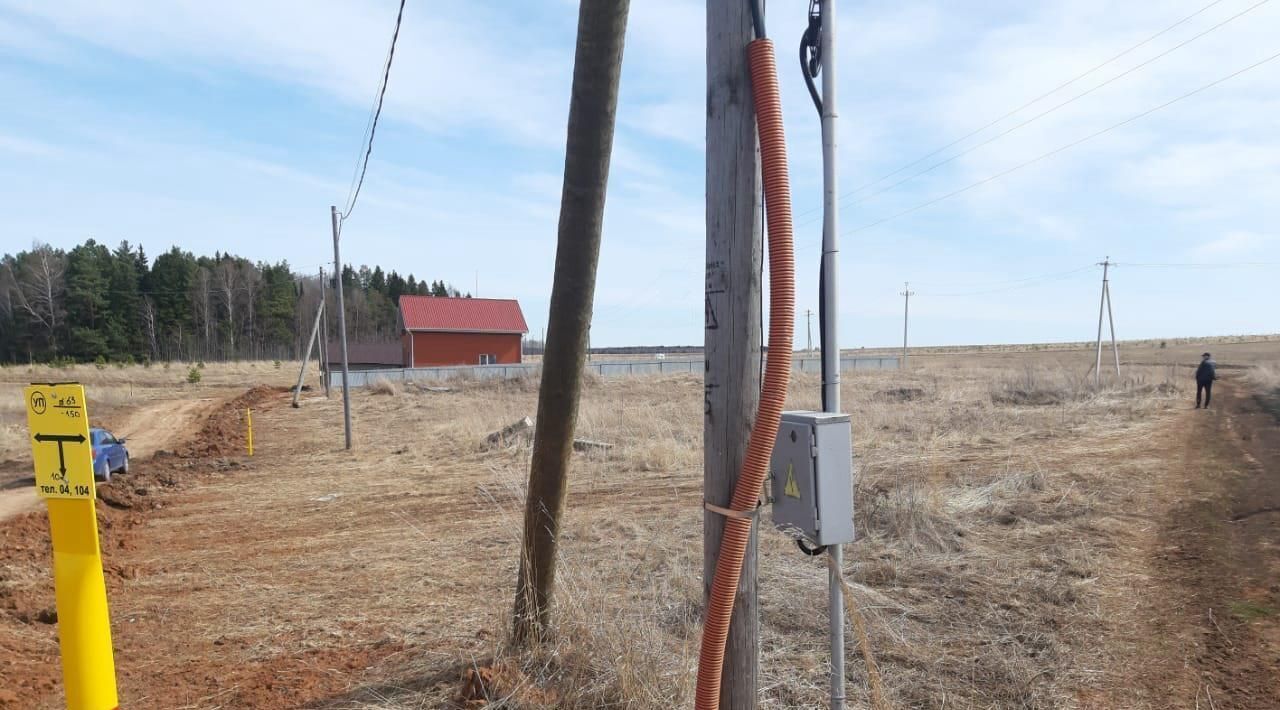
x=777, y=373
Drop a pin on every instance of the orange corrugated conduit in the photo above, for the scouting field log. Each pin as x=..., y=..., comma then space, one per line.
x=777, y=373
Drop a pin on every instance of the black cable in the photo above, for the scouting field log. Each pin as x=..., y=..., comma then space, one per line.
x=377, y=111
x=810, y=551
x=811, y=52
x=757, y=18
x=810, y=66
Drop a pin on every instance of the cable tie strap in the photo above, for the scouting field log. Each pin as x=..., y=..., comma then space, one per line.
x=731, y=513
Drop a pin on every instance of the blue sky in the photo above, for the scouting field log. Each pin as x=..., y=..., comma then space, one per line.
x=234, y=125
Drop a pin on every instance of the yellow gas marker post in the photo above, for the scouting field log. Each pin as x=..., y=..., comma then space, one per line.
x=63, y=456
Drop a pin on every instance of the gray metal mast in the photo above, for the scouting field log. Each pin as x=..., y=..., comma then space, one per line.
x=831, y=316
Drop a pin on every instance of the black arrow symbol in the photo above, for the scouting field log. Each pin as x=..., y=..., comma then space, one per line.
x=60, y=439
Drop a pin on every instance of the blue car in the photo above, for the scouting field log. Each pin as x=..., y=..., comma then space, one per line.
x=109, y=454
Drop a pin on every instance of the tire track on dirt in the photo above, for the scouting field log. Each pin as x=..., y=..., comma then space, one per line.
x=1218, y=571
x=148, y=428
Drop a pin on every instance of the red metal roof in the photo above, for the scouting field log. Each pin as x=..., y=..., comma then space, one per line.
x=464, y=315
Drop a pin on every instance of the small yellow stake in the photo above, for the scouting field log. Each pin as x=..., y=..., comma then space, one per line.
x=248, y=416
x=63, y=454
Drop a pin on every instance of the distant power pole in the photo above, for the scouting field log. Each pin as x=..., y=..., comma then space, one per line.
x=906, y=294
x=1105, y=302
x=808, y=329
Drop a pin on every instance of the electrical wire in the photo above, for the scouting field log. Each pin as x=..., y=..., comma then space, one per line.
x=377, y=112
x=811, y=52
x=1060, y=149
x=757, y=17
x=1206, y=265
x=1046, y=112
x=1015, y=284
x=1026, y=105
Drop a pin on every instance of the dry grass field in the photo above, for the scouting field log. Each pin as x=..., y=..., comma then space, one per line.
x=1019, y=544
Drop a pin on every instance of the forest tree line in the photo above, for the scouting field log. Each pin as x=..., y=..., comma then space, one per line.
x=92, y=303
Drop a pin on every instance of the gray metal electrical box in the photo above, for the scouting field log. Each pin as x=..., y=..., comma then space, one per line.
x=811, y=477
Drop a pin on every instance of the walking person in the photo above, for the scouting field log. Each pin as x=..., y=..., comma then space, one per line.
x=1205, y=375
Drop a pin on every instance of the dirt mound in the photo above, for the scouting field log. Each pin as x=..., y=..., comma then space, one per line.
x=225, y=431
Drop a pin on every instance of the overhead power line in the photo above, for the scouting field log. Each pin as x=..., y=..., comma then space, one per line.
x=1029, y=103
x=1206, y=265
x=1050, y=110
x=1046, y=112
x=377, y=111
x=1060, y=149
x=1014, y=284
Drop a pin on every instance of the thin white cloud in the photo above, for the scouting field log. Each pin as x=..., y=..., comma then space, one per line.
x=1234, y=244
x=28, y=146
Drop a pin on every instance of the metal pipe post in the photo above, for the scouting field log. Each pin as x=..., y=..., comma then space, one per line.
x=831, y=312
x=342, y=328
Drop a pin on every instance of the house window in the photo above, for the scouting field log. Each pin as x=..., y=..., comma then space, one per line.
x=488, y=359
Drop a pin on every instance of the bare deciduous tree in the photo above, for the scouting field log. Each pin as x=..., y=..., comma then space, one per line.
x=227, y=280
x=148, y=308
x=40, y=286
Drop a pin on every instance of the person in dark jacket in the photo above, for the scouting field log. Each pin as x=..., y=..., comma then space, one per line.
x=1205, y=375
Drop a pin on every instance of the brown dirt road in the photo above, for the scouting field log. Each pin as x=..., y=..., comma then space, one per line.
x=148, y=428
x=1206, y=630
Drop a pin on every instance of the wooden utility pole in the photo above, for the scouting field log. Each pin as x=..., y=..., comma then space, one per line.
x=906, y=294
x=592, y=111
x=732, y=340
x=306, y=359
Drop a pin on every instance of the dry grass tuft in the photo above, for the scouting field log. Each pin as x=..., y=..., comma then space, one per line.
x=1266, y=376
x=384, y=386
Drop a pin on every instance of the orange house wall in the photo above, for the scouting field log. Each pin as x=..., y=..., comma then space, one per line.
x=441, y=349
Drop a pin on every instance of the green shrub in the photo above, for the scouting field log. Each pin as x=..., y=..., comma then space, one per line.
x=193, y=376
x=277, y=364
x=100, y=362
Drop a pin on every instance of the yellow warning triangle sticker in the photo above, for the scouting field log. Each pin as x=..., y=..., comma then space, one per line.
x=791, y=490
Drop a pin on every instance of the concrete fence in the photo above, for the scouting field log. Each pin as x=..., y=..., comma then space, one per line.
x=363, y=378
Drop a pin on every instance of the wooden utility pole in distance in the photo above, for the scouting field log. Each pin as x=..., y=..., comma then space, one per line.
x=1105, y=302
x=306, y=359
x=906, y=294
x=732, y=336
x=592, y=113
